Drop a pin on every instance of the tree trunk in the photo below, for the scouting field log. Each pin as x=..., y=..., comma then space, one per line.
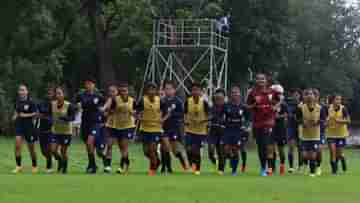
x=105, y=71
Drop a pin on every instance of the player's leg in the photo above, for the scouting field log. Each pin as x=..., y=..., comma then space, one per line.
x=196, y=152
x=281, y=151
x=340, y=154
x=165, y=155
x=333, y=156
x=188, y=148
x=312, y=162
x=110, y=139
x=221, y=157
x=90, y=147
x=180, y=153
x=234, y=162
x=211, y=154
x=18, y=150
x=291, y=152
x=243, y=152
x=53, y=147
x=31, y=139
x=44, y=147
x=261, y=148
x=64, y=146
x=154, y=159
x=124, y=150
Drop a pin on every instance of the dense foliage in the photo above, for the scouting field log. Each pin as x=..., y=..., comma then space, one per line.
x=302, y=43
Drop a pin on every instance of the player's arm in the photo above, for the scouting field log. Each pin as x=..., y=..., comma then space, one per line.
x=33, y=112
x=299, y=117
x=247, y=117
x=250, y=101
x=70, y=115
x=346, y=117
x=207, y=111
x=108, y=104
x=165, y=113
x=139, y=109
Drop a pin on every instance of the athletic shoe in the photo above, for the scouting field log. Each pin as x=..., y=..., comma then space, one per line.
x=17, y=170
x=263, y=173
x=34, y=170
x=197, y=173
x=243, y=169
x=282, y=169
x=220, y=173
x=91, y=170
x=291, y=170
x=234, y=173
x=49, y=171
x=193, y=168
x=107, y=169
x=270, y=172
x=120, y=170
x=312, y=175
x=318, y=171
x=152, y=173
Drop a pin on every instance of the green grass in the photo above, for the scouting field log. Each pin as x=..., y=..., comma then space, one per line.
x=180, y=187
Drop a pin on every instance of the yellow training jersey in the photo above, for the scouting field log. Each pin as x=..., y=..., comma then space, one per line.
x=196, y=117
x=122, y=117
x=310, y=133
x=151, y=117
x=334, y=129
x=59, y=126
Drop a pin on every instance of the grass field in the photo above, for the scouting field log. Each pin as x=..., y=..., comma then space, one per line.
x=180, y=187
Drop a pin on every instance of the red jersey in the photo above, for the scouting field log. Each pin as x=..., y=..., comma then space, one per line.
x=262, y=102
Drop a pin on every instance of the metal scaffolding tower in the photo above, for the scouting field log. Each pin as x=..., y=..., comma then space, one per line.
x=186, y=51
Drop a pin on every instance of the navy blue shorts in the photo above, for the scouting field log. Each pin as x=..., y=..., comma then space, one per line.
x=27, y=133
x=150, y=137
x=122, y=134
x=63, y=139
x=173, y=135
x=264, y=136
x=216, y=136
x=44, y=140
x=232, y=136
x=292, y=134
x=193, y=139
x=88, y=129
x=339, y=142
x=310, y=146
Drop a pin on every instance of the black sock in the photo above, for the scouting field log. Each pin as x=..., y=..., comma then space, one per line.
x=181, y=159
x=122, y=162
x=291, y=160
x=271, y=163
x=107, y=162
x=306, y=163
x=163, y=160
x=48, y=162
x=126, y=161
x=221, y=166
x=300, y=159
x=34, y=162
x=168, y=162
x=244, y=158
x=64, y=166
x=91, y=158
x=212, y=158
x=190, y=157
x=333, y=167
x=312, y=166
x=343, y=164
x=234, y=164
x=318, y=160
x=282, y=157
x=18, y=161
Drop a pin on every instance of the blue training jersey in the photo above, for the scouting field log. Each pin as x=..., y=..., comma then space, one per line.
x=175, y=107
x=236, y=116
x=90, y=104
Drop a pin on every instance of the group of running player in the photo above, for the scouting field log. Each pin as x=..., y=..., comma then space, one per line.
x=179, y=129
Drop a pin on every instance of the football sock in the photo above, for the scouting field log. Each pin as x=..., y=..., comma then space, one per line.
x=18, y=161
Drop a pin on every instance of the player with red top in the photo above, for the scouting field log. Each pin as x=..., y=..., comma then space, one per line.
x=262, y=101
